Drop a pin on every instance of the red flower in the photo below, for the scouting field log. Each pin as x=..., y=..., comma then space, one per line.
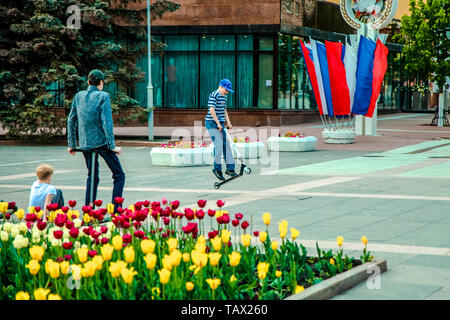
x=98, y=203
x=92, y=253
x=37, y=209
x=68, y=257
x=256, y=233
x=69, y=224
x=189, y=214
x=58, y=234
x=127, y=238
x=29, y=224
x=211, y=213
x=213, y=234
x=235, y=223
x=166, y=221
x=118, y=200
x=200, y=214
x=65, y=209
x=190, y=227
x=239, y=216
x=67, y=245
x=164, y=201
x=120, y=210
x=7, y=216
x=225, y=218
x=104, y=229
x=86, y=209
x=175, y=204
x=72, y=203
x=138, y=205
x=146, y=203
x=136, y=224
x=139, y=234
x=220, y=203
x=201, y=203
x=11, y=205
x=60, y=220
x=74, y=232
x=52, y=206
x=59, y=259
x=104, y=240
x=244, y=225
x=41, y=225
x=29, y=217
x=86, y=231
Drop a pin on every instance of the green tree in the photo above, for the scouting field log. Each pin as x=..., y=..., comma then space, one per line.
x=40, y=47
x=426, y=45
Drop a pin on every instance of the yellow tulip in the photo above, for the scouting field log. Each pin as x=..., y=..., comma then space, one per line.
x=167, y=262
x=186, y=257
x=216, y=243
x=262, y=274
x=53, y=269
x=36, y=252
x=129, y=254
x=3, y=207
x=31, y=209
x=148, y=246
x=263, y=266
x=40, y=214
x=150, y=260
x=332, y=261
x=98, y=260
x=86, y=218
x=213, y=283
x=20, y=213
x=33, y=266
x=299, y=289
x=131, y=207
x=201, y=239
x=282, y=227
x=232, y=278
x=225, y=236
x=110, y=208
x=41, y=294
x=76, y=271
x=117, y=242
x=262, y=236
x=89, y=269
x=294, y=233
x=164, y=276
x=201, y=247
x=128, y=274
x=266, y=218
x=21, y=295
x=176, y=257
x=364, y=240
x=189, y=286
x=116, y=267
x=82, y=254
x=214, y=258
x=107, y=251
x=235, y=258
x=340, y=241
x=246, y=240
x=64, y=266
x=199, y=258
x=274, y=245
x=52, y=296
x=47, y=263
x=278, y=273
x=172, y=243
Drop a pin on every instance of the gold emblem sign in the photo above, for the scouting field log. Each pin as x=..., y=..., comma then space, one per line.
x=376, y=14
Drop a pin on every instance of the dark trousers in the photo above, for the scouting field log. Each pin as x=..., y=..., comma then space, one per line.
x=58, y=198
x=114, y=165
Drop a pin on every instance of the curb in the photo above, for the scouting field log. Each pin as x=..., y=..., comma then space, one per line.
x=341, y=282
x=120, y=143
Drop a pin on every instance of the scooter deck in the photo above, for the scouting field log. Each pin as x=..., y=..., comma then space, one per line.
x=244, y=168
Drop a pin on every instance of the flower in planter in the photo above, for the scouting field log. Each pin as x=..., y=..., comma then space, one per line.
x=294, y=233
x=213, y=283
x=340, y=241
x=37, y=252
x=246, y=240
x=189, y=286
x=266, y=218
x=262, y=236
x=164, y=276
x=41, y=294
x=21, y=295
x=262, y=268
x=299, y=289
x=33, y=266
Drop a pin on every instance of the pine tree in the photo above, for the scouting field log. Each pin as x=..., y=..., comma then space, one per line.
x=40, y=47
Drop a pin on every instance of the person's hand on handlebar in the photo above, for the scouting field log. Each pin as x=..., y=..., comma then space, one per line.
x=117, y=150
x=70, y=150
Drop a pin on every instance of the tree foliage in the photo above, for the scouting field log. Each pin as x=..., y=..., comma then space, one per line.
x=39, y=48
x=423, y=33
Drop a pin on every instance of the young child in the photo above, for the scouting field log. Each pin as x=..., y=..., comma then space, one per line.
x=42, y=192
x=215, y=124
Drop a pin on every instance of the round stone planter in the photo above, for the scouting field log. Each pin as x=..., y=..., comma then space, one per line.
x=339, y=136
x=292, y=144
x=182, y=157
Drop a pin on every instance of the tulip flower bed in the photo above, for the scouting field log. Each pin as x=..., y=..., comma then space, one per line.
x=154, y=250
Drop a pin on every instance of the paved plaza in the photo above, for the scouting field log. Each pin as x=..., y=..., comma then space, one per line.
x=393, y=188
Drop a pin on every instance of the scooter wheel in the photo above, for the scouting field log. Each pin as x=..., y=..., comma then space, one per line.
x=247, y=170
x=216, y=185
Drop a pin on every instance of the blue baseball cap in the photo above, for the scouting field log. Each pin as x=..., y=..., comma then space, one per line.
x=226, y=84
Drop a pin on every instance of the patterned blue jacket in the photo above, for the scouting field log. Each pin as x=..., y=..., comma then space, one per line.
x=91, y=114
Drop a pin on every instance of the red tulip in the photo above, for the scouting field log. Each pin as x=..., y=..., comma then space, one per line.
x=60, y=220
x=11, y=205
x=225, y=218
x=118, y=200
x=65, y=209
x=211, y=213
x=166, y=221
x=58, y=234
x=69, y=224
x=72, y=203
x=164, y=201
x=235, y=223
x=256, y=233
x=98, y=203
x=7, y=216
x=41, y=225
x=67, y=245
x=220, y=203
x=239, y=216
x=200, y=214
x=37, y=209
x=146, y=203
x=68, y=257
x=213, y=234
x=29, y=224
x=29, y=217
x=74, y=232
x=104, y=240
x=103, y=229
x=86, y=209
x=244, y=225
x=175, y=204
x=189, y=214
x=139, y=234
x=127, y=238
x=201, y=203
x=92, y=253
x=87, y=230
x=59, y=259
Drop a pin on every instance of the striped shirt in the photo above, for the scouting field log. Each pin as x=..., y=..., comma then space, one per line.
x=219, y=103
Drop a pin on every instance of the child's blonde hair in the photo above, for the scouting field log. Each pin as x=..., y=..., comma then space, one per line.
x=44, y=171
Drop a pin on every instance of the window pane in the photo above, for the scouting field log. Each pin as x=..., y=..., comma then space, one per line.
x=245, y=42
x=284, y=43
x=213, y=68
x=266, y=43
x=265, y=81
x=140, y=93
x=217, y=42
x=284, y=80
x=297, y=75
x=244, y=88
x=180, y=80
x=181, y=43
